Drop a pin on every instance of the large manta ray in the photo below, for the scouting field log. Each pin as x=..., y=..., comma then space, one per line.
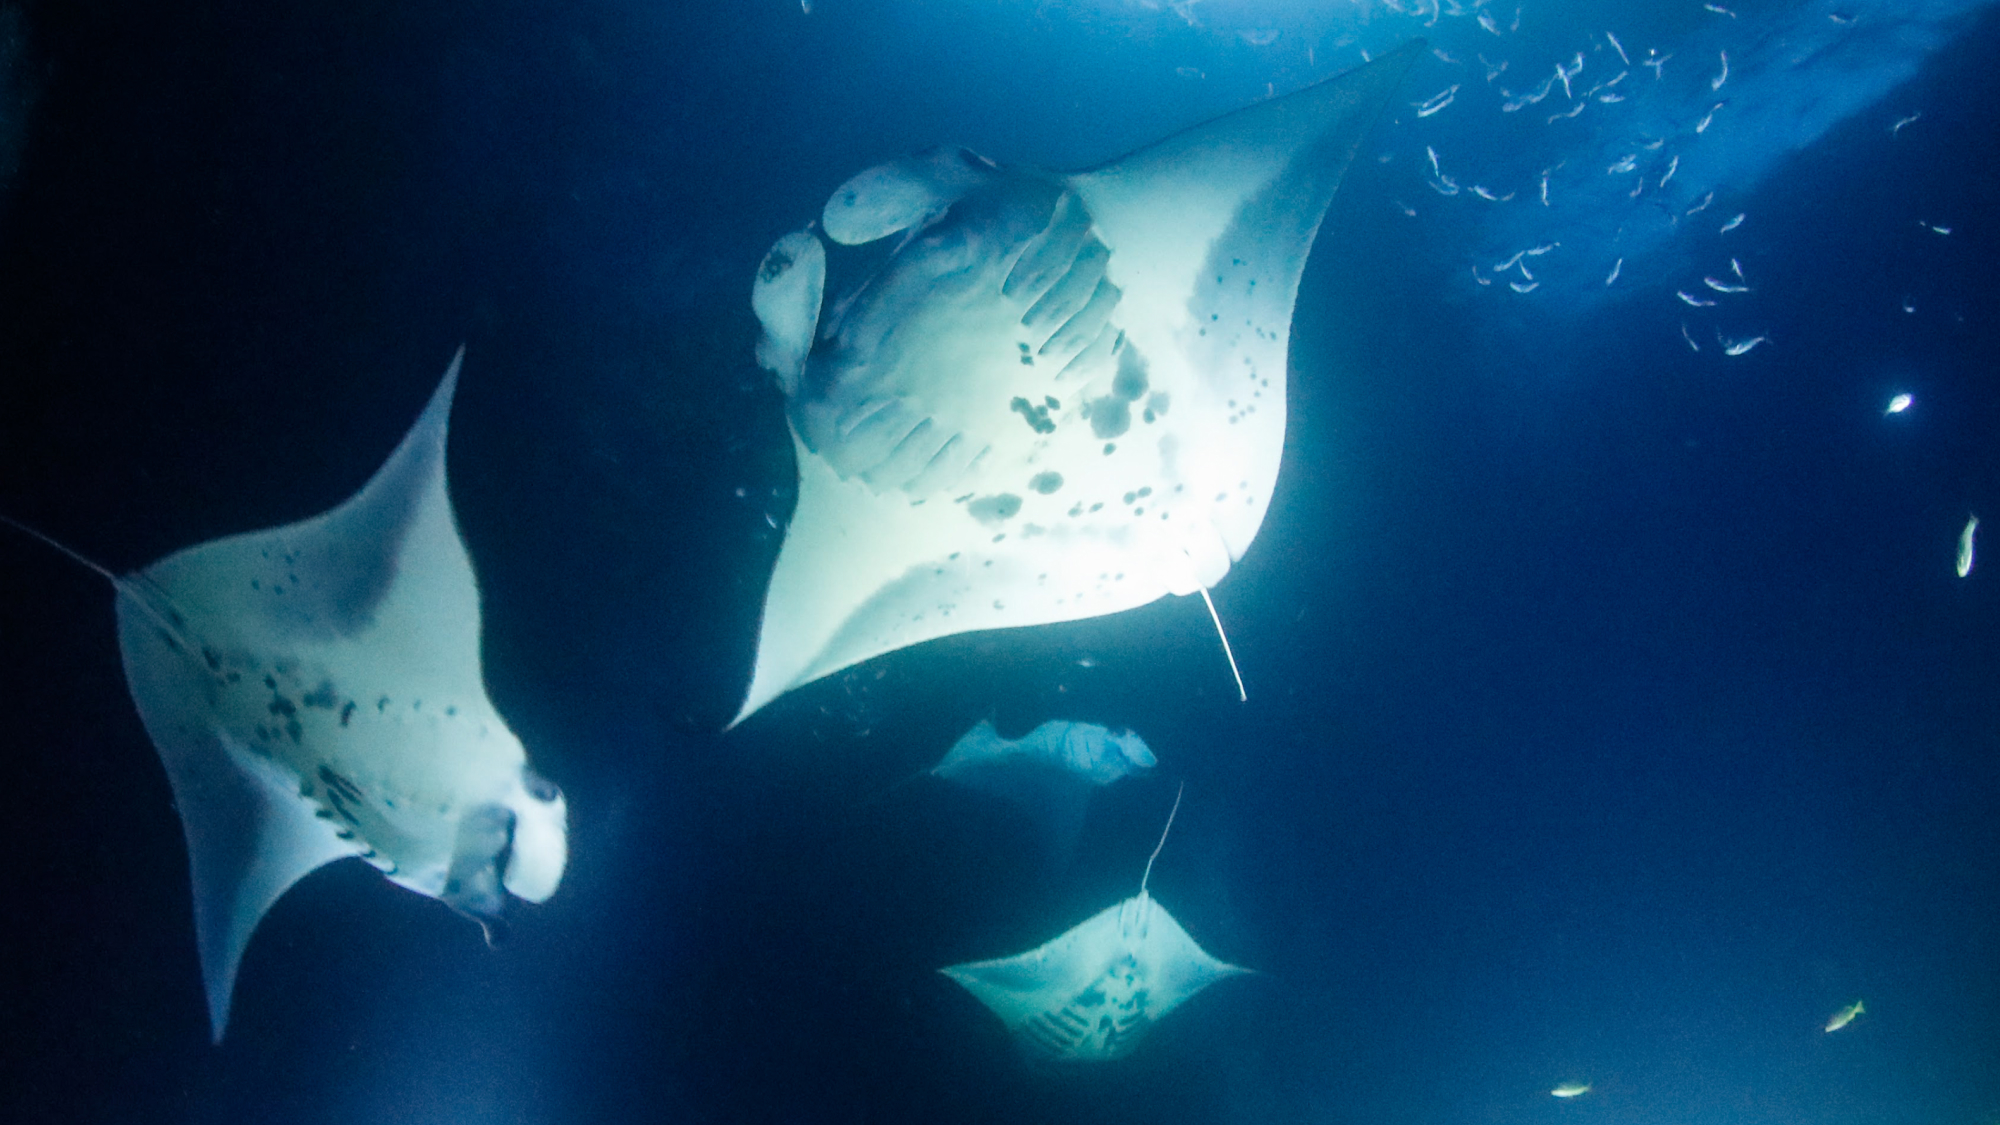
x=1020, y=396
x=315, y=693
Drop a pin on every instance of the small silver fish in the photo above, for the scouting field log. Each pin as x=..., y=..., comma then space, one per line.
x=1437, y=102
x=1846, y=1015
x=1964, y=571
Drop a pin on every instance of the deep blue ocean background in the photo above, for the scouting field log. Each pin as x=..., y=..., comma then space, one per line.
x=1616, y=714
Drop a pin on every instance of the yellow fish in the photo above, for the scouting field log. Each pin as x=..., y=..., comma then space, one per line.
x=1845, y=1016
x=1571, y=1089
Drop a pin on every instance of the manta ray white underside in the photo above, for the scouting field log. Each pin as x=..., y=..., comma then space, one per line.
x=1091, y=993
x=1021, y=397
x=315, y=693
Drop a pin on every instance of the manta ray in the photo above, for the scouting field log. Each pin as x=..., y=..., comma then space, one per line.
x=1049, y=773
x=315, y=692
x=1019, y=396
x=1093, y=992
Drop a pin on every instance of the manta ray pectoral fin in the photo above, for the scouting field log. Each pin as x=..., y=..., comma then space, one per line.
x=249, y=835
x=1161, y=208
x=249, y=839
x=1209, y=231
x=333, y=575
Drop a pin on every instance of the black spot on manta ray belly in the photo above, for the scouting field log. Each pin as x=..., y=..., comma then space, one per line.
x=1110, y=417
x=995, y=509
x=1037, y=416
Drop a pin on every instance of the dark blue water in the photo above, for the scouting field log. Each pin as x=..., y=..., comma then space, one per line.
x=1616, y=713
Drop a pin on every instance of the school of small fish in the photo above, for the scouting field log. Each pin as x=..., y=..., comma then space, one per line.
x=1603, y=87
x=1664, y=161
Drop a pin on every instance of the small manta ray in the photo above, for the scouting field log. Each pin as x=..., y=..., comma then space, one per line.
x=315, y=692
x=1093, y=992
x=1050, y=772
x=1049, y=396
